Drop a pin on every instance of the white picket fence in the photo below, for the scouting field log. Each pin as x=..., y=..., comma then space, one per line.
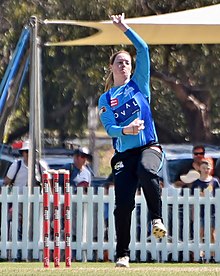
x=92, y=240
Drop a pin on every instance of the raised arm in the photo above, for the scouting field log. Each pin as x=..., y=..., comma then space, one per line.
x=118, y=21
x=141, y=74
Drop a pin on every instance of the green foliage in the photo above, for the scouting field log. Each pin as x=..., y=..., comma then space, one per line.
x=71, y=76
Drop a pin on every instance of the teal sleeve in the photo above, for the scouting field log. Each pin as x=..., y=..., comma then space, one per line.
x=107, y=118
x=141, y=74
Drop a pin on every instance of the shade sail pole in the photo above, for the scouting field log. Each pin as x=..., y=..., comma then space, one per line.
x=33, y=96
x=39, y=105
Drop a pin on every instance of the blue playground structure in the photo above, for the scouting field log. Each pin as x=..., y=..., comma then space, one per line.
x=13, y=79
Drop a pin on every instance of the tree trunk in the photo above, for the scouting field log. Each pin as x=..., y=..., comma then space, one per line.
x=195, y=107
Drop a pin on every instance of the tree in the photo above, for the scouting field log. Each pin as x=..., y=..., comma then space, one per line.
x=190, y=72
x=184, y=82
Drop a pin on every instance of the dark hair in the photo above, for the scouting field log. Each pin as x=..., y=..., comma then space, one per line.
x=80, y=152
x=21, y=151
x=109, y=79
x=199, y=147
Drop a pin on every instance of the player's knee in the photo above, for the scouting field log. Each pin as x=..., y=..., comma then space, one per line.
x=144, y=172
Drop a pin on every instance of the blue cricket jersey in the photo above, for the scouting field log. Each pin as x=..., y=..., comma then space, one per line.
x=120, y=105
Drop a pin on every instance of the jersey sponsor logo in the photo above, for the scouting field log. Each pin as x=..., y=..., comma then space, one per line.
x=114, y=102
x=128, y=90
x=102, y=110
x=119, y=165
x=126, y=110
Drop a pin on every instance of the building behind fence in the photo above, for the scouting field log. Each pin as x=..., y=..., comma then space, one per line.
x=93, y=232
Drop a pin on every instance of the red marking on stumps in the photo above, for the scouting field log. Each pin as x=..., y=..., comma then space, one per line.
x=56, y=219
x=67, y=223
x=46, y=228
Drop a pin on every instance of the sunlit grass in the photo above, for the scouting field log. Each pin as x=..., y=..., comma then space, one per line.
x=108, y=269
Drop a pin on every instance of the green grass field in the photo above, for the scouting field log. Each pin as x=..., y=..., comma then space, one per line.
x=108, y=269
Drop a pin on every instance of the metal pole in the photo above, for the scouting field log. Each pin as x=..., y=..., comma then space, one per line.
x=33, y=108
x=35, y=120
x=36, y=106
x=39, y=104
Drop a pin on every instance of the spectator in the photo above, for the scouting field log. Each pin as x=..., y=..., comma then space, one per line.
x=187, y=179
x=188, y=174
x=206, y=181
x=198, y=154
x=80, y=176
x=17, y=176
x=217, y=169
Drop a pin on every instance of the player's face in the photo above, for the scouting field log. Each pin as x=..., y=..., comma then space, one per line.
x=121, y=66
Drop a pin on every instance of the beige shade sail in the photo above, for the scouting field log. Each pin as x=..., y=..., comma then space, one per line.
x=194, y=26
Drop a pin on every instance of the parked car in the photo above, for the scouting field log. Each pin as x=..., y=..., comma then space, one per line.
x=176, y=156
x=55, y=158
x=58, y=161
